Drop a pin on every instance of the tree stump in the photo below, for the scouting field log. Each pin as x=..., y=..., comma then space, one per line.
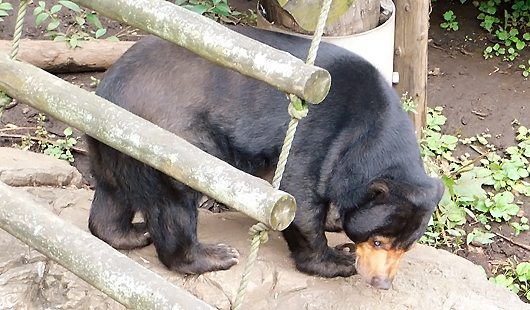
x=362, y=16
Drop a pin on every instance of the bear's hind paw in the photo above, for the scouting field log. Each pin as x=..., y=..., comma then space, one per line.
x=209, y=257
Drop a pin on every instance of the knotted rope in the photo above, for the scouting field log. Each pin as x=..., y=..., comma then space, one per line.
x=5, y=99
x=297, y=110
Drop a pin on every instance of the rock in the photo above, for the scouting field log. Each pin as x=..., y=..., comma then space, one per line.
x=24, y=168
x=427, y=278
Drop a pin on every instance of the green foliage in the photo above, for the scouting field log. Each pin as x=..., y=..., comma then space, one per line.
x=217, y=10
x=512, y=32
x=515, y=277
x=499, y=208
x=519, y=227
x=507, y=282
x=4, y=6
x=408, y=104
x=480, y=235
x=469, y=182
x=434, y=143
x=62, y=147
x=450, y=21
x=75, y=34
x=526, y=70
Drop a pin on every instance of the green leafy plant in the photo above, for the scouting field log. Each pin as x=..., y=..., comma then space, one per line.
x=526, y=70
x=500, y=207
x=507, y=281
x=450, y=21
x=512, y=34
x=434, y=143
x=480, y=235
x=519, y=227
x=509, y=38
x=214, y=9
x=515, y=277
x=4, y=6
x=468, y=183
x=75, y=34
x=496, y=49
x=408, y=104
x=62, y=147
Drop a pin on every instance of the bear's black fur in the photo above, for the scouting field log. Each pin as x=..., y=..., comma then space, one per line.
x=356, y=151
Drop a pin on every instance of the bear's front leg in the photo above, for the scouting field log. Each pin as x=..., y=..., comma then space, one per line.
x=310, y=250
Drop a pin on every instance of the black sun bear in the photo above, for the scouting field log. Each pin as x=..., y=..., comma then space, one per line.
x=355, y=151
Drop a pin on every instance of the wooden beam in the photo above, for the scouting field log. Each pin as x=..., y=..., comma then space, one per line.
x=146, y=142
x=89, y=258
x=219, y=45
x=57, y=57
x=410, y=55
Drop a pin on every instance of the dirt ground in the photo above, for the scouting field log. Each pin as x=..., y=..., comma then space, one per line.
x=478, y=96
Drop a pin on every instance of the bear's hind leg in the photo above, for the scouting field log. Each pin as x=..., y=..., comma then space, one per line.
x=111, y=220
x=172, y=220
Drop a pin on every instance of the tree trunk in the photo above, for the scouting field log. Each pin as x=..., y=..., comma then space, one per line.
x=410, y=55
x=57, y=57
x=362, y=16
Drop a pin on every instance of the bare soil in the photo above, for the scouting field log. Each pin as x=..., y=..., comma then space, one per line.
x=478, y=96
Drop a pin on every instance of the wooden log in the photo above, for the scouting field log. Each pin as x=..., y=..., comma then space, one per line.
x=219, y=45
x=89, y=258
x=410, y=51
x=146, y=142
x=57, y=57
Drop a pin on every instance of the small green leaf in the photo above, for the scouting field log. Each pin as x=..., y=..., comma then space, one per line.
x=448, y=15
x=100, y=32
x=113, y=39
x=40, y=18
x=6, y=6
x=71, y=5
x=53, y=24
x=73, y=42
x=79, y=20
x=59, y=39
x=71, y=141
x=94, y=20
x=38, y=10
x=68, y=131
x=56, y=8
x=512, y=150
x=179, y=2
x=199, y=8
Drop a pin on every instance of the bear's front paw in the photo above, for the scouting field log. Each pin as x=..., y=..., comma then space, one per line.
x=209, y=257
x=334, y=262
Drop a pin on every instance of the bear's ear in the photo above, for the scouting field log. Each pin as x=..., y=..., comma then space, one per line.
x=428, y=196
x=379, y=190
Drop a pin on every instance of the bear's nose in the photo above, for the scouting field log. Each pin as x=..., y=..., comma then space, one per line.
x=381, y=283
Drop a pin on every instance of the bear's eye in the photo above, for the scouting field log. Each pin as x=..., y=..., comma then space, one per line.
x=377, y=243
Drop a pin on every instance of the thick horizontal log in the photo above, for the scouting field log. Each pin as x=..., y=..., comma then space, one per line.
x=219, y=45
x=146, y=142
x=89, y=258
x=57, y=57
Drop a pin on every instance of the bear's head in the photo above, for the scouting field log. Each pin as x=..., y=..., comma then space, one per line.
x=391, y=218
